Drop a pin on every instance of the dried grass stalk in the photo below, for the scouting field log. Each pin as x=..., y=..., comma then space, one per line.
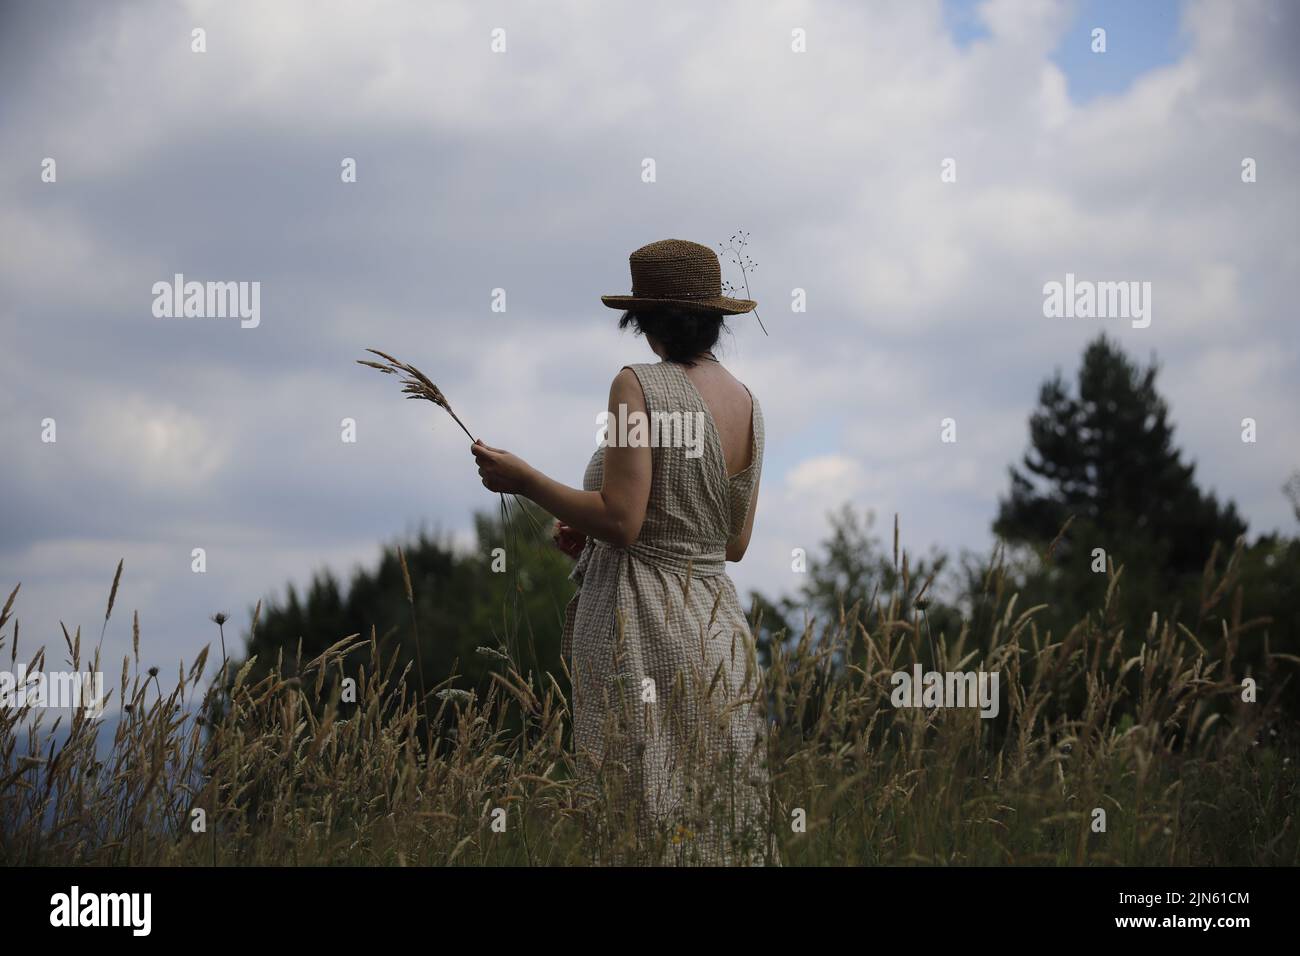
x=415, y=383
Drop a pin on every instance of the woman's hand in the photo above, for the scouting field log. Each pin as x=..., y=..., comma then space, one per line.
x=501, y=471
x=569, y=540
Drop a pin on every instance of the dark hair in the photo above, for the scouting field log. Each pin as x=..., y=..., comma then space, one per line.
x=683, y=333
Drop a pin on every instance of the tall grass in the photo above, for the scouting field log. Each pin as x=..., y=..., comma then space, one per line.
x=1151, y=729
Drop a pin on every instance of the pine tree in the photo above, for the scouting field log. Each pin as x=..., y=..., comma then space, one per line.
x=1106, y=455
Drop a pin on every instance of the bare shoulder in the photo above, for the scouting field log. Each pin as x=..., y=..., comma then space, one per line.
x=738, y=390
x=626, y=387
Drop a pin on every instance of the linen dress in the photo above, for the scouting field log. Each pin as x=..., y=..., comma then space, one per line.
x=667, y=690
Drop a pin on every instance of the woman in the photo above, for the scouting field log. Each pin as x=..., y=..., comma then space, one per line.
x=667, y=689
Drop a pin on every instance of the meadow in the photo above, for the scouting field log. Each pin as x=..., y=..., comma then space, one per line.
x=1107, y=749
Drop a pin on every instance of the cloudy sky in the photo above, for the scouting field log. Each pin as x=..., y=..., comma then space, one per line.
x=522, y=170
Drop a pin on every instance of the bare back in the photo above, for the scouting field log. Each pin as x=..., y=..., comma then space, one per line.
x=732, y=409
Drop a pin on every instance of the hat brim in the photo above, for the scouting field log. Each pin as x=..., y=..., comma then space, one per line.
x=722, y=304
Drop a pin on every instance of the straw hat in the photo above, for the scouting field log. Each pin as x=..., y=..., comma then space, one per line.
x=677, y=272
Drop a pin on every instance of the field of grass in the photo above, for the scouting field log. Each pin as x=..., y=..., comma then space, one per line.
x=1151, y=730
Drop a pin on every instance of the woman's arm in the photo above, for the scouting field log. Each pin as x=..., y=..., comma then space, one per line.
x=615, y=513
x=738, y=545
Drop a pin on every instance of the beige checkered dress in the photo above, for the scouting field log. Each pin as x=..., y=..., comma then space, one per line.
x=667, y=689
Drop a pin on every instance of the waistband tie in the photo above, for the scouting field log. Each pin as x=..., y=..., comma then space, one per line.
x=706, y=565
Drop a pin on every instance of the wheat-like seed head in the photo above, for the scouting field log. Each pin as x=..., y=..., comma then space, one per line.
x=414, y=383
